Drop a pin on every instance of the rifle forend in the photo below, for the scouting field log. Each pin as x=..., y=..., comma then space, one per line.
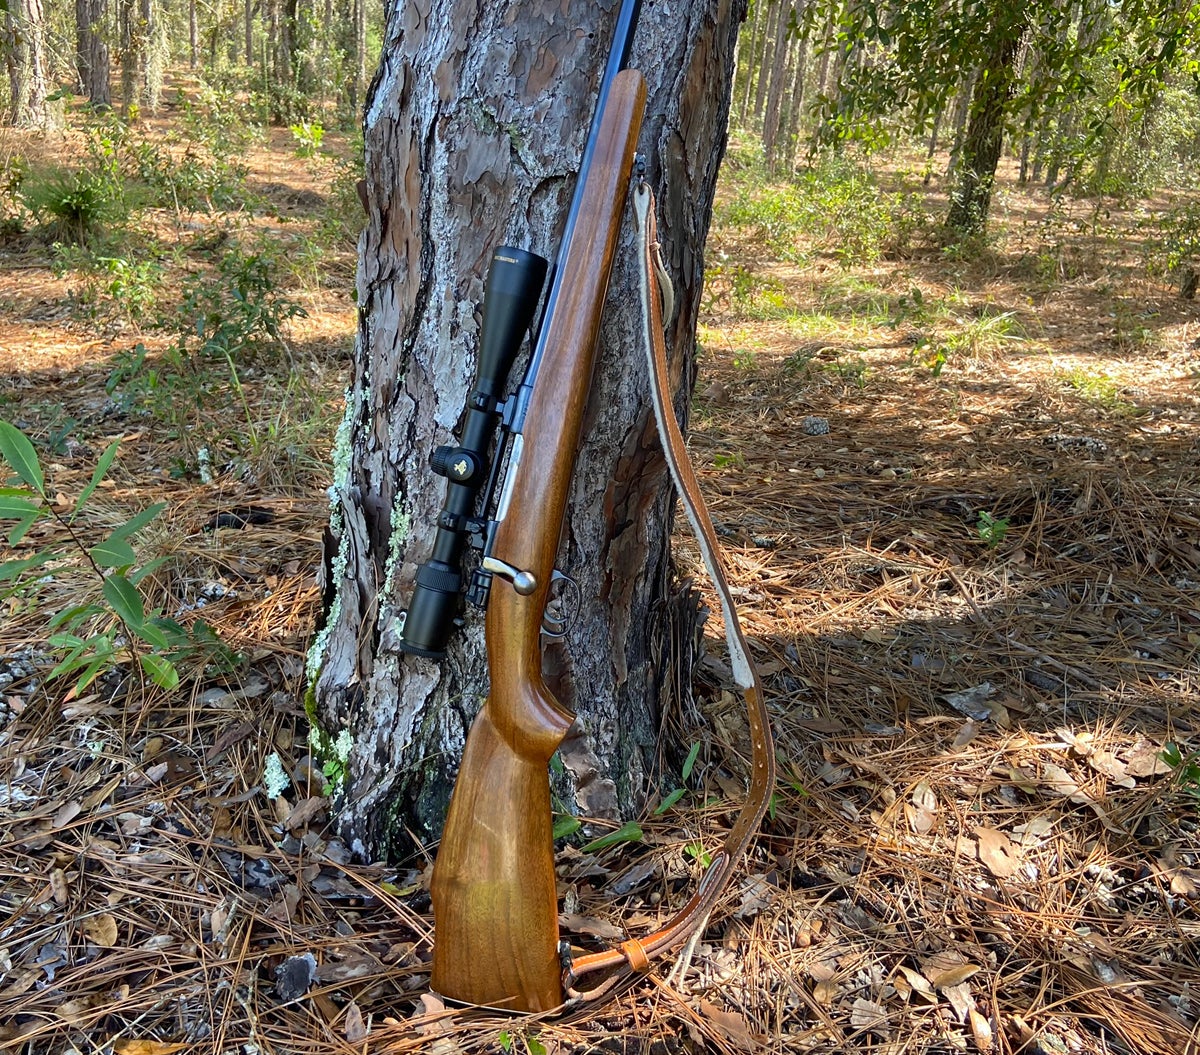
x=494, y=899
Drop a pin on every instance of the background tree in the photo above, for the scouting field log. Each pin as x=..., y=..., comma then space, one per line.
x=474, y=127
x=25, y=57
x=91, y=51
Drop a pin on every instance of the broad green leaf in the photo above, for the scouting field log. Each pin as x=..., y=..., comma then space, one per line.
x=691, y=760
x=14, y=505
x=68, y=640
x=90, y=673
x=102, y=467
x=113, y=553
x=565, y=826
x=21, y=528
x=74, y=615
x=125, y=600
x=16, y=449
x=136, y=575
x=138, y=521
x=670, y=801
x=11, y=569
x=174, y=629
x=71, y=662
x=629, y=833
x=152, y=635
x=160, y=671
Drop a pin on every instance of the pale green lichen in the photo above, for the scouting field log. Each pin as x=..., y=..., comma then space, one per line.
x=401, y=526
x=343, y=449
x=275, y=779
x=333, y=754
x=316, y=652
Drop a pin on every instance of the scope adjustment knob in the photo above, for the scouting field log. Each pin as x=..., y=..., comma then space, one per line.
x=457, y=464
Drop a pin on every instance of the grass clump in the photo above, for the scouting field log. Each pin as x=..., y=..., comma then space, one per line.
x=73, y=206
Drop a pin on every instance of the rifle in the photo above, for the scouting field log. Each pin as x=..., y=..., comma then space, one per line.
x=493, y=886
x=494, y=899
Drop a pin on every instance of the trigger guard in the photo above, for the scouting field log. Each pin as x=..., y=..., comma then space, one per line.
x=557, y=626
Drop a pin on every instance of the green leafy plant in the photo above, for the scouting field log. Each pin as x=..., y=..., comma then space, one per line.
x=243, y=308
x=93, y=636
x=855, y=371
x=926, y=355
x=684, y=774
x=628, y=833
x=1185, y=769
x=72, y=205
x=308, y=136
x=991, y=529
x=745, y=359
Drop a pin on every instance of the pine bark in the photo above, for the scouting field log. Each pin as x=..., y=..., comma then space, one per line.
x=765, y=57
x=779, y=76
x=474, y=126
x=747, y=47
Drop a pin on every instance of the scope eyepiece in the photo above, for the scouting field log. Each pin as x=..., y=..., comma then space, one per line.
x=432, y=610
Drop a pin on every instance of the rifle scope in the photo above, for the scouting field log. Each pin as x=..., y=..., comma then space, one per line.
x=510, y=298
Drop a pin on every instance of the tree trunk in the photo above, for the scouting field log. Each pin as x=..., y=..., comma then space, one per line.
x=766, y=56
x=826, y=53
x=358, y=83
x=747, y=46
x=982, y=144
x=248, y=29
x=91, y=51
x=152, y=50
x=796, y=99
x=133, y=61
x=25, y=30
x=931, y=150
x=779, y=76
x=288, y=42
x=193, y=35
x=474, y=127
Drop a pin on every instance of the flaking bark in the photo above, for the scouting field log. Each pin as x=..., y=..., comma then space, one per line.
x=474, y=126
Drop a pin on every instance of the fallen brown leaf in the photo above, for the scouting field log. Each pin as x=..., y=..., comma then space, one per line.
x=997, y=852
x=731, y=1025
x=101, y=930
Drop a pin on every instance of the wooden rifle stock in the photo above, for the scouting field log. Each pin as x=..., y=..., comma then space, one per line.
x=494, y=899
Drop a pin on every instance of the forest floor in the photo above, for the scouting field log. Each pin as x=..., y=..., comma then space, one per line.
x=960, y=499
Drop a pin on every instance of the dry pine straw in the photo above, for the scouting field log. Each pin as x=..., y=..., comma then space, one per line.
x=975, y=844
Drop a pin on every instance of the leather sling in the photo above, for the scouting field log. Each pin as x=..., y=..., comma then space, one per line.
x=633, y=956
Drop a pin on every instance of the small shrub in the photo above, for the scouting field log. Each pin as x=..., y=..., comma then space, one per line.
x=1177, y=251
x=243, y=308
x=991, y=529
x=308, y=136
